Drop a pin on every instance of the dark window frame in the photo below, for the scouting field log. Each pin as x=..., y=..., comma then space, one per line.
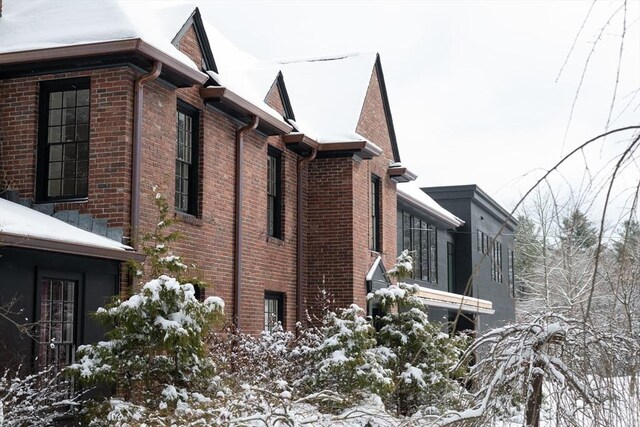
x=420, y=237
x=496, y=262
x=193, y=186
x=44, y=162
x=375, y=195
x=278, y=297
x=511, y=270
x=274, y=192
x=451, y=267
x=78, y=309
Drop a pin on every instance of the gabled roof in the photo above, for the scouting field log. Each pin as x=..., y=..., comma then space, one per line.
x=27, y=228
x=411, y=193
x=40, y=24
x=328, y=95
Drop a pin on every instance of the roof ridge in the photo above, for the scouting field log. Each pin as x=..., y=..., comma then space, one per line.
x=324, y=58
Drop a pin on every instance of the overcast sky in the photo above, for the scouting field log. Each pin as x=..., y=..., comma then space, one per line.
x=472, y=85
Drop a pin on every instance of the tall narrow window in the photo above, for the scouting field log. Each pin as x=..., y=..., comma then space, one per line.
x=57, y=322
x=374, y=243
x=273, y=310
x=451, y=268
x=63, y=142
x=511, y=272
x=186, y=197
x=496, y=262
x=274, y=192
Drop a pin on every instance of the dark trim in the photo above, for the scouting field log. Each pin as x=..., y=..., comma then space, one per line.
x=136, y=51
x=278, y=199
x=387, y=110
x=194, y=170
x=42, y=169
x=376, y=243
x=284, y=97
x=278, y=296
x=239, y=108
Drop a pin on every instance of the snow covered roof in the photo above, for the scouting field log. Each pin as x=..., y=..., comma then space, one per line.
x=436, y=298
x=24, y=227
x=41, y=24
x=327, y=94
x=410, y=192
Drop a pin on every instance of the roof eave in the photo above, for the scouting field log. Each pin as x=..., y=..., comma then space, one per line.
x=401, y=174
x=299, y=143
x=361, y=148
x=29, y=242
x=114, y=47
x=268, y=124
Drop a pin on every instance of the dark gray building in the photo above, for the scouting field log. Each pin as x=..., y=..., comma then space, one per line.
x=53, y=275
x=431, y=232
x=482, y=252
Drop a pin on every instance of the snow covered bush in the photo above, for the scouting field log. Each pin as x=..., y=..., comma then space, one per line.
x=348, y=360
x=420, y=355
x=156, y=343
x=36, y=399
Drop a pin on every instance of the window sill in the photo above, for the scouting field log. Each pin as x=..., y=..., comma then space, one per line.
x=275, y=240
x=188, y=218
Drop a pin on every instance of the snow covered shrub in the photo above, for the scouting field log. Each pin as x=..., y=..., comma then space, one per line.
x=156, y=341
x=247, y=359
x=34, y=400
x=421, y=354
x=348, y=360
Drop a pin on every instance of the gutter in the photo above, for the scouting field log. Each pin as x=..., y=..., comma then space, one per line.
x=136, y=46
x=138, y=104
x=235, y=101
x=300, y=233
x=237, y=273
x=13, y=240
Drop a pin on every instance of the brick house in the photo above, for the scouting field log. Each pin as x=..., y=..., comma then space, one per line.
x=280, y=185
x=92, y=117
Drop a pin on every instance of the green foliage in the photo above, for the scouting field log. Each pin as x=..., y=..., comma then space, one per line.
x=157, y=246
x=349, y=361
x=423, y=355
x=578, y=232
x=156, y=341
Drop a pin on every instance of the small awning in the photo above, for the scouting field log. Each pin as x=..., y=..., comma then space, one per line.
x=435, y=298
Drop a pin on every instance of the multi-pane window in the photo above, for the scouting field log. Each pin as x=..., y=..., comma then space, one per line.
x=421, y=239
x=496, y=261
x=374, y=211
x=273, y=310
x=274, y=199
x=511, y=272
x=483, y=242
x=57, y=322
x=63, y=148
x=186, y=159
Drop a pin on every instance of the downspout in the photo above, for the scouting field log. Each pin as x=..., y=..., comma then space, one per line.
x=300, y=234
x=237, y=296
x=138, y=103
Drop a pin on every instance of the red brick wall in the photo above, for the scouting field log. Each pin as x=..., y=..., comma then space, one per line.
x=329, y=230
x=111, y=115
x=189, y=46
x=274, y=100
x=373, y=126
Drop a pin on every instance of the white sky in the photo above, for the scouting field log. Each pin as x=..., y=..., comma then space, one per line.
x=471, y=84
